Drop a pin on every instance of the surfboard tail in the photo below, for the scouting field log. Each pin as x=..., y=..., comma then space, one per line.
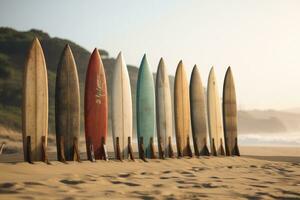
x=228, y=153
x=29, y=154
x=152, y=149
x=236, y=150
x=205, y=151
x=104, y=153
x=130, y=150
x=142, y=149
x=61, y=149
x=213, y=148
x=188, y=148
x=76, y=154
x=160, y=149
x=196, y=148
x=90, y=151
x=118, y=151
x=44, y=151
x=222, y=150
x=170, y=148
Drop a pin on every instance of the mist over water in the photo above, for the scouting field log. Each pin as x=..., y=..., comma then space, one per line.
x=290, y=139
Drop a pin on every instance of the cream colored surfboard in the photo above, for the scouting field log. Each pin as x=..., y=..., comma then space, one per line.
x=214, y=116
x=35, y=101
x=163, y=107
x=182, y=109
x=121, y=106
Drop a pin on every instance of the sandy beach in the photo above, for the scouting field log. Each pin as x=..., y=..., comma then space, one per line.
x=246, y=177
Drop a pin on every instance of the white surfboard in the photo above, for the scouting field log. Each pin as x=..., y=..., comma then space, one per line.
x=163, y=107
x=121, y=106
x=214, y=116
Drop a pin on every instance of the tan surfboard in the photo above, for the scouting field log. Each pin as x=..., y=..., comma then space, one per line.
x=198, y=114
x=182, y=110
x=215, y=125
x=35, y=102
x=230, y=114
x=163, y=109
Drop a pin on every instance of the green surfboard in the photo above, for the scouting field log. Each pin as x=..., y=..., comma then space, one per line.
x=145, y=105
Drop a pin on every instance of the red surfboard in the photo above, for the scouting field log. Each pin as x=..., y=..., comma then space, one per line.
x=95, y=105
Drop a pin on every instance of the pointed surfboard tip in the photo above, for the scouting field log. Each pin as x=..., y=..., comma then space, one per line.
x=195, y=68
x=36, y=43
x=161, y=62
x=144, y=56
x=120, y=55
x=96, y=54
x=228, y=71
x=180, y=63
x=67, y=50
x=144, y=61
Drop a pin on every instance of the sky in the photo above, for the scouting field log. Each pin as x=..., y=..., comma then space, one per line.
x=259, y=39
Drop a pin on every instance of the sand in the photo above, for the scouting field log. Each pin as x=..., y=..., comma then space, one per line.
x=260, y=173
x=195, y=178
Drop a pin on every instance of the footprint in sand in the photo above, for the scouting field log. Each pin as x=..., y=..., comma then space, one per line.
x=124, y=175
x=125, y=183
x=7, y=185
x=158, y=185
x=28, y=183
x=169, y=177
x=8, y=188
x=259, y=186
x=214, y=177
x=71, y=182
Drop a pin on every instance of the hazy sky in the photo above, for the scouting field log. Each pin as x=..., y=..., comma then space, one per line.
x=259, y=39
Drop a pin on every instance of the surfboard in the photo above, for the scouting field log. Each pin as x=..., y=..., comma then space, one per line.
x=121, y=106
x=163, y=107
x=215, y=125
x=95, y=105
x=181, y=109
x=230, y=114
x=145, y=105
x=35, y=101
x=67, y=105
x=198, y=113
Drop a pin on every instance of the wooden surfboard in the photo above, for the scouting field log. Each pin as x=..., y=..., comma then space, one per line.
x=121, y=106
x=67, y=105
x=145, y=102
x=163, y=108
x=230, y=114
x=35, y=101
x=198, y=114
x=214, y=116
x=95, y=105
x=182, y=109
